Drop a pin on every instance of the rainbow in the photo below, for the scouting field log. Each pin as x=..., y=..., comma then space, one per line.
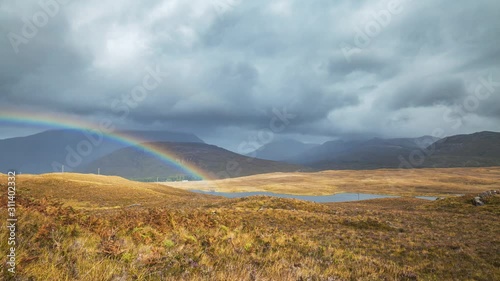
x=46, y=121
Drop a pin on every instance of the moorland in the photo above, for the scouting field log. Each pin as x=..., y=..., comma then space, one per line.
x=89, y=227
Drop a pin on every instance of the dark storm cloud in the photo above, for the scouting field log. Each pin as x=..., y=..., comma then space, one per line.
x=367, y=63
x=227, y=64
x=428, y=91
x=46, y=61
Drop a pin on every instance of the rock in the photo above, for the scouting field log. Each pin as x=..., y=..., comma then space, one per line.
x=489, y=193
x=477, y=201
x=480, y=198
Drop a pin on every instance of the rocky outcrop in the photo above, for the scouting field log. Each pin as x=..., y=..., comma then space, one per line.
x=479, y=200
x=489, y=193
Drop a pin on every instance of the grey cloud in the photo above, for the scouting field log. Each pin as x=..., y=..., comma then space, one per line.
x=229, y=69
x=367, y=63
x=428, y=91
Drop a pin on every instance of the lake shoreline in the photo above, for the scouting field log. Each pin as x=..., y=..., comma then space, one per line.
x=337, y=197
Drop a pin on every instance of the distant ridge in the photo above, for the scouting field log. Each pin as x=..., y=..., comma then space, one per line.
x=375, y=153
x=474, y=150
x=281, y=150
x=133, y=163
x=36, y=153
x=480, y=149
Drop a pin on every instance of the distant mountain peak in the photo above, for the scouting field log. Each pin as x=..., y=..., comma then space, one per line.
x=483, y=148
x=281, y=149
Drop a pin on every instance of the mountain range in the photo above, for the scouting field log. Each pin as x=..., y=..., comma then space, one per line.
x=136, y=163
x=282, y=150
x=375, y=153
x=38, y=153
x=47, y=151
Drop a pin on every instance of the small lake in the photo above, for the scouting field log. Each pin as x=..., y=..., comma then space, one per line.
x=426, y=197
x=340, y=197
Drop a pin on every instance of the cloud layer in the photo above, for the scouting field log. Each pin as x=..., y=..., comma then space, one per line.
x=343, y=68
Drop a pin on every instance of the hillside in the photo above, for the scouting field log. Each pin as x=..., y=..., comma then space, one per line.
x=220, y=163
x=36, y=154
x=370, y=154
x=99, y=192
x=474, y=150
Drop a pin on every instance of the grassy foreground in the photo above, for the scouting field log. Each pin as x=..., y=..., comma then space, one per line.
x=182, y=236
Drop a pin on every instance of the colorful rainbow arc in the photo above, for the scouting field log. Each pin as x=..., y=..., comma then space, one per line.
x=46, y=121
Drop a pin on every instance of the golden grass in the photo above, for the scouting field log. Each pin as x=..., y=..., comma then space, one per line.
x=97, y=191
x=432, y=182
x=184, y=236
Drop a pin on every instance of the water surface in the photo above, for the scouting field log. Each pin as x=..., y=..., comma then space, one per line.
x=340, y=197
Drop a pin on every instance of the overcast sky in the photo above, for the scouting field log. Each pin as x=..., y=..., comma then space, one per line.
x=223, y=68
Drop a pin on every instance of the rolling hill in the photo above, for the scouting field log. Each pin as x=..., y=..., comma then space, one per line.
x=473, y=150
x=135, y=163
x=85, y=191
x=37, y=153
